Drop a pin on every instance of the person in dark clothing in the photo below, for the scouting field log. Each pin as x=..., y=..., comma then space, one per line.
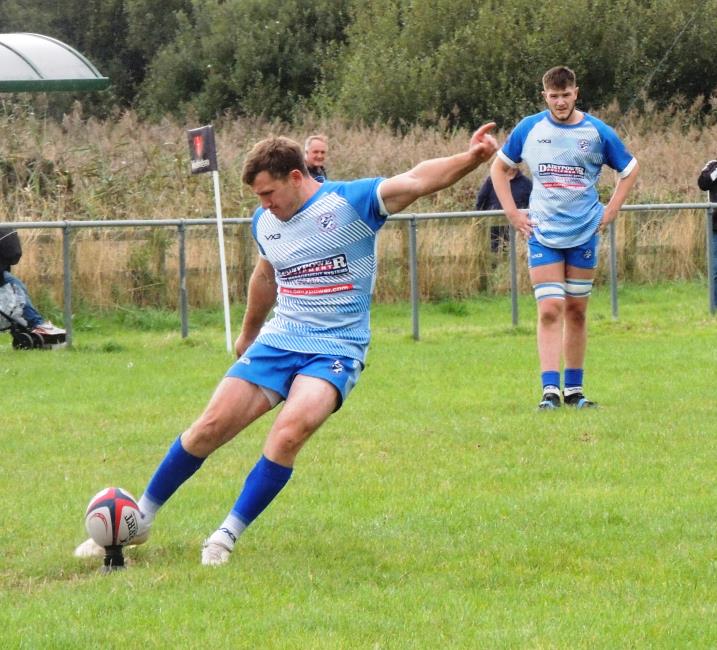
x=10, y=248
x=707, y=181
x=10, y=254
x=486, y=199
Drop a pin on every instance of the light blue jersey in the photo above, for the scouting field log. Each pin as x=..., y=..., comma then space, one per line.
x=565, y=161
x=324, y=261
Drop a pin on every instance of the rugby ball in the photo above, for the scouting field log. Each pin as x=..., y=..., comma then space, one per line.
x=112, y=517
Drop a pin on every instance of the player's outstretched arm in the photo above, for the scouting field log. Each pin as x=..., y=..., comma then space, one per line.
x=398, y=192
x=261, y=296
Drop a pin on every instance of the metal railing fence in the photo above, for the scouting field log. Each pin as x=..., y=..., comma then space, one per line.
x=412, y=220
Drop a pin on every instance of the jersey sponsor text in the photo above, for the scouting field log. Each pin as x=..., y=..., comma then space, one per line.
x=337, y=265
x=551, y=169
x=314, y=291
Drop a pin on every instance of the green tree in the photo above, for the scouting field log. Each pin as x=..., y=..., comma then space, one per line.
x=151, y=24
x=678, y=51
x=395, y=61
x=472, y=60
x=244, y=56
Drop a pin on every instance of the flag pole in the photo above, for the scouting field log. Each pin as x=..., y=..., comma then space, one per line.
x=222, y=260
x=203, y=155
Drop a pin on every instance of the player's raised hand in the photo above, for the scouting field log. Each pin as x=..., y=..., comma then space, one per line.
x=483, y=145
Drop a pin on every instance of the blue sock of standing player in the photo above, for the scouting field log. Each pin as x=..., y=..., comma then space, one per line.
x=262, y=484
x=551, y=381
x=176, y=467
x=573, y=381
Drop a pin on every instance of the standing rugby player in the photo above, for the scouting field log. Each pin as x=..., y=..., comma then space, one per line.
x=565, y=150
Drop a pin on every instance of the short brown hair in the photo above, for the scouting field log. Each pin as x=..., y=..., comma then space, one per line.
x=559, y=78
x=277, y=155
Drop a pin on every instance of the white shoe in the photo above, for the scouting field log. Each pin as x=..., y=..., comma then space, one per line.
x=89, y=548
x=47, y=328
x=218, y=548
x=145, y=527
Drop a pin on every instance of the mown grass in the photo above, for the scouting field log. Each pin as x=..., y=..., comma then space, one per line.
x=437, y=509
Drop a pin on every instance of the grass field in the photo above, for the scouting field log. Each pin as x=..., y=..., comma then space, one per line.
x=437, y=509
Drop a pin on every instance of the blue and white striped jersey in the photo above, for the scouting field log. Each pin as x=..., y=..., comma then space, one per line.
x=324, y=261
x=565, y=161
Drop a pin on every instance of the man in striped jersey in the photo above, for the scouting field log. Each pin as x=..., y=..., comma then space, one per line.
x=565, y=150
x=317, y=269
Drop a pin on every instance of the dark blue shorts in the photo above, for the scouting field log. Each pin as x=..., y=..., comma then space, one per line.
x=584, y=256
x=275, y=369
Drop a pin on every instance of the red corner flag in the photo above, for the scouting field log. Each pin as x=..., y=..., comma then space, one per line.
x=202, y=150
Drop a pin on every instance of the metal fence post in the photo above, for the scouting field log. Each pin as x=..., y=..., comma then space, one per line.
x=413, y=268
x=67, y=282
x=183, y=280
x=613, y=268
x=513, y=275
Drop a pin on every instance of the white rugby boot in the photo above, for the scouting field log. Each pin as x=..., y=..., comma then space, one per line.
x=89, y=548
x=218, y=547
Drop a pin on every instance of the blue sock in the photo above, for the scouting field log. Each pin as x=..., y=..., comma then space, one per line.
x=551, y=378
x=262, y=484
x=176, y=467
x=573, y=377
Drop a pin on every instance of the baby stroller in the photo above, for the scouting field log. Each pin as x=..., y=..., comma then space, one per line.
x=12, y=301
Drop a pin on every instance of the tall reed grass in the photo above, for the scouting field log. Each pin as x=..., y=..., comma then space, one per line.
x=85, y=169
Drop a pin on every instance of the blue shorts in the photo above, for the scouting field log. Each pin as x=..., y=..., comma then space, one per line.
x=584, y=256
x=275, y=369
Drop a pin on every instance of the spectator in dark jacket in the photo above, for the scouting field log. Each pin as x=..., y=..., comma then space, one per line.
x=10, y=254
x=707, y=181
x=10, y=248
x=520, y=188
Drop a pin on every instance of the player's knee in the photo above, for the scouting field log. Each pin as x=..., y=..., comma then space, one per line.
x=286, y=441
x=550, y=314
x=575, y=313
x=288, y=444
x=207, y=433
x=551, y=302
